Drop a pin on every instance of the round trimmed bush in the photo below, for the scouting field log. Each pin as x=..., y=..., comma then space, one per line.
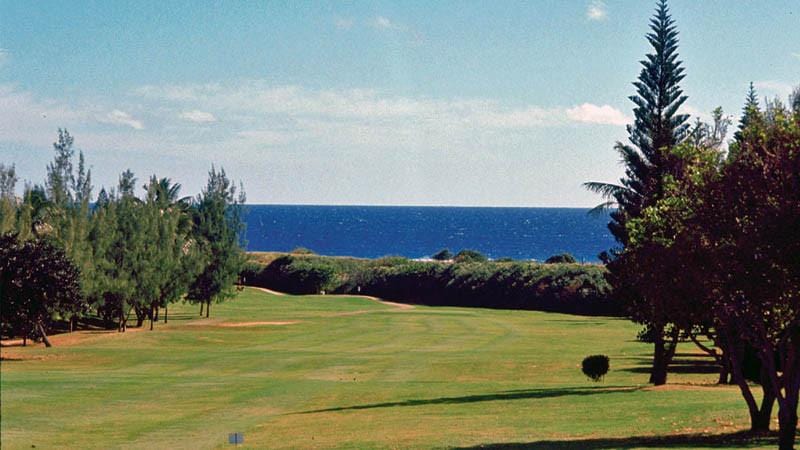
x=595, y=367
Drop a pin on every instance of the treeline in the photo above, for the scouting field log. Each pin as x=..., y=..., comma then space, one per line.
x=473, y=282
x=710, y=234
x=67, y=256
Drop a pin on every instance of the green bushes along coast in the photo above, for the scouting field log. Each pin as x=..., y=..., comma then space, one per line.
x=563, y=287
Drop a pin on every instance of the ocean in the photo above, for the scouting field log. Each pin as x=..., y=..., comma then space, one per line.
x=420, y=231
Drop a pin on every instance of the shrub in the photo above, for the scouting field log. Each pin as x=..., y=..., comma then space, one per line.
x=527, y=285
x=470, y=256
x=442, y=255
x=563, y=258
x=595, y=367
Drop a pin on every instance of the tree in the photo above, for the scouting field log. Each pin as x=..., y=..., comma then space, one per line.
x=37, y=283
x=8, y=199
x=171, y=249
x=59, y=172
x=118, y=236
x=218, y=228
x=657, y=128
x=751, y=231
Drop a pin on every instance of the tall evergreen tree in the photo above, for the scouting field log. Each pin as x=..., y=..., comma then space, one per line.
x=168, y=245
x=218, y=227
x=59, y=172
x=751, y=112
x=657, y=128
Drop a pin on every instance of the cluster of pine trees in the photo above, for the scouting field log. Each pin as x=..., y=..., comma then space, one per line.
x=67, y=256
x=710, y=236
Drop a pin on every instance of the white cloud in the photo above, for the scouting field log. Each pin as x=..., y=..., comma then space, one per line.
x=260, y=114
x=771, y=88
x=306, y=133
x=117, y=117
x=590, y=113
x=597, y=10
x=796, y=55
x=343, y=23
x=383, y=23
x=198, y=116
x=27, y=119
x=257, y=101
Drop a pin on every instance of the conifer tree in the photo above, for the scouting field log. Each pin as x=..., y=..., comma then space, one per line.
x=657, y=128
x=59, y=172
x=218, y=227
x=751, y=112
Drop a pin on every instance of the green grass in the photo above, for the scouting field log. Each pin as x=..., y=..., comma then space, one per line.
x=355, y=373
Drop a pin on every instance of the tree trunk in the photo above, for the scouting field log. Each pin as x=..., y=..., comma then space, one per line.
x=123, y=320
x=201, y=308
x=724, y=369
x=787, y=420
x=25, y=340
x=734, y=353
x=166, y=311
x=662, y=355
x=152, y=314
x=48, y=344
x=724, y=372
x=155, y=315
x=759, y=423
x=139, y=316
x=208, y=308
x=658, y=374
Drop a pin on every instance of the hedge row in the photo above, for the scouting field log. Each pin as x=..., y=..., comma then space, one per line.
x=566, y=288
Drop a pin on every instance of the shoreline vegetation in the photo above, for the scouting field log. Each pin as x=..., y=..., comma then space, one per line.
x=570, y=288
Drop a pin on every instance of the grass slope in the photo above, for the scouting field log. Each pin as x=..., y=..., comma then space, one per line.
x=355, y=373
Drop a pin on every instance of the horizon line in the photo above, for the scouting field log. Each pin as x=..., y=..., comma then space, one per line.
x=418, y=205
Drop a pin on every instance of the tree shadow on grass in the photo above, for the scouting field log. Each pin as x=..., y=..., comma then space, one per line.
x=680, y=365
x=519, y=394
x=741, y=439
x=178, y=316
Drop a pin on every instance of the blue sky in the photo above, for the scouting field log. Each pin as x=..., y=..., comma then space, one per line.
x=423, y=103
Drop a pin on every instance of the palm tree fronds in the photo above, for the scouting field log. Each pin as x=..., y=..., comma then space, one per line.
x=607, y=190
x=603, y=208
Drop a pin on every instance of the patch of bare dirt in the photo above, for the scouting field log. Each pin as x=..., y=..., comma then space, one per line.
x=268, y=291
x=395, y=304
x=68, y=339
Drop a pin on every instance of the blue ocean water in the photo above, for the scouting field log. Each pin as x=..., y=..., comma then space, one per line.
x=418, y=232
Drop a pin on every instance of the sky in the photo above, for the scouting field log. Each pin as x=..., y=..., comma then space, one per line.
x=474, y=103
